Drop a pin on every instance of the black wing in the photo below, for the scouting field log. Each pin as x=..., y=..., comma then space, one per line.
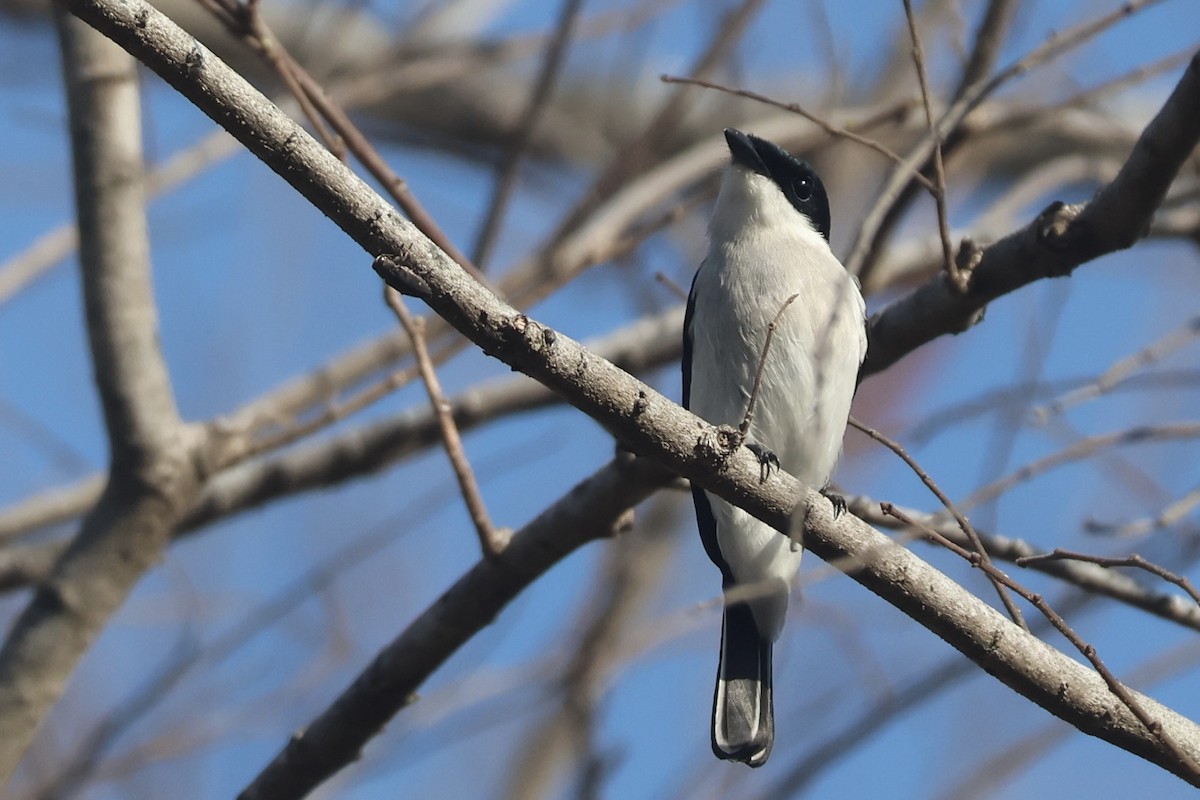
x=705, y=520
x=687, y=343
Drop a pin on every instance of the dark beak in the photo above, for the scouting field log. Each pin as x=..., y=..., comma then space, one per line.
x=741, y=148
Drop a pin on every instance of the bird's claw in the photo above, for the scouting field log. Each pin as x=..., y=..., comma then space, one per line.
x=767, y=460
x=839, y=502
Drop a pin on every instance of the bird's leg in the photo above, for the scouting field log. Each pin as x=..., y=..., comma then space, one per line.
x=718, y=444
x=839, y=502
x=767, y=460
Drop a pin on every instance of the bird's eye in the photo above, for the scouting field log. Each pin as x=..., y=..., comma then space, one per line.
x=802, y=188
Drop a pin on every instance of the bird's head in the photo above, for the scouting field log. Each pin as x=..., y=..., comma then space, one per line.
x=766, y=180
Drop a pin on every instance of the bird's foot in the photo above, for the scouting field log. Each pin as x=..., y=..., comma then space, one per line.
x=839, y=502
x=767, y=460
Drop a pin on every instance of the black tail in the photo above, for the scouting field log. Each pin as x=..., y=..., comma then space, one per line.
x=743, y=725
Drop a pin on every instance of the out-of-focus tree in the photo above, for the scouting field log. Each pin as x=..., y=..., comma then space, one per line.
x=308, y=507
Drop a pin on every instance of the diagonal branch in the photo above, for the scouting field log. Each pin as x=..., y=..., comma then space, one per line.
x=820, y=122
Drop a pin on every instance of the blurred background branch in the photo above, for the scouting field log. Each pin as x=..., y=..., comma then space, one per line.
x=551, y=122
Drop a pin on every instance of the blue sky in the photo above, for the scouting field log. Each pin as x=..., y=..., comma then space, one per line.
x=255, y=286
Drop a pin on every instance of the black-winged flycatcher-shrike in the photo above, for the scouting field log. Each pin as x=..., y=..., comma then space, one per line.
x=769, y=240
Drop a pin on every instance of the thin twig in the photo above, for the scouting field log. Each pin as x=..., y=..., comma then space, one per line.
x=248, y=24
x=820, y=122
x=744, y=428
x=1000, y=768
x=636, y=154
x=1122, y=369
x=531, y=115
x=1084, y=448
x=1132, y=560
x=878, y=221
x=1171, y=514
x=957, y=279
x=1119, y=690
x=989, y=39
x=288, y=70
x=967, y=528
x=339, y=409
x=885, y=707
x=1021, y=118
x=671, y=284
x=489, y=538
x=1091, y=579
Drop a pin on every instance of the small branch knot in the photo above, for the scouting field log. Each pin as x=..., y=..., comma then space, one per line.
x=967, y=259
x=395, y=273
x=640, y=404
x=1054, y=224
x=729, y=439
x=715, y=445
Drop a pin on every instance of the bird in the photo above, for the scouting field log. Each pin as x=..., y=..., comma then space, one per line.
x=769, y=261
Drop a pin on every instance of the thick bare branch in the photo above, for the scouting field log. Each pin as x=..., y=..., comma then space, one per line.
x=110, y=198
x=153, y=476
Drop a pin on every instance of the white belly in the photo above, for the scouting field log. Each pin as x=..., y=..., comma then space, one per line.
x=808, y=381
